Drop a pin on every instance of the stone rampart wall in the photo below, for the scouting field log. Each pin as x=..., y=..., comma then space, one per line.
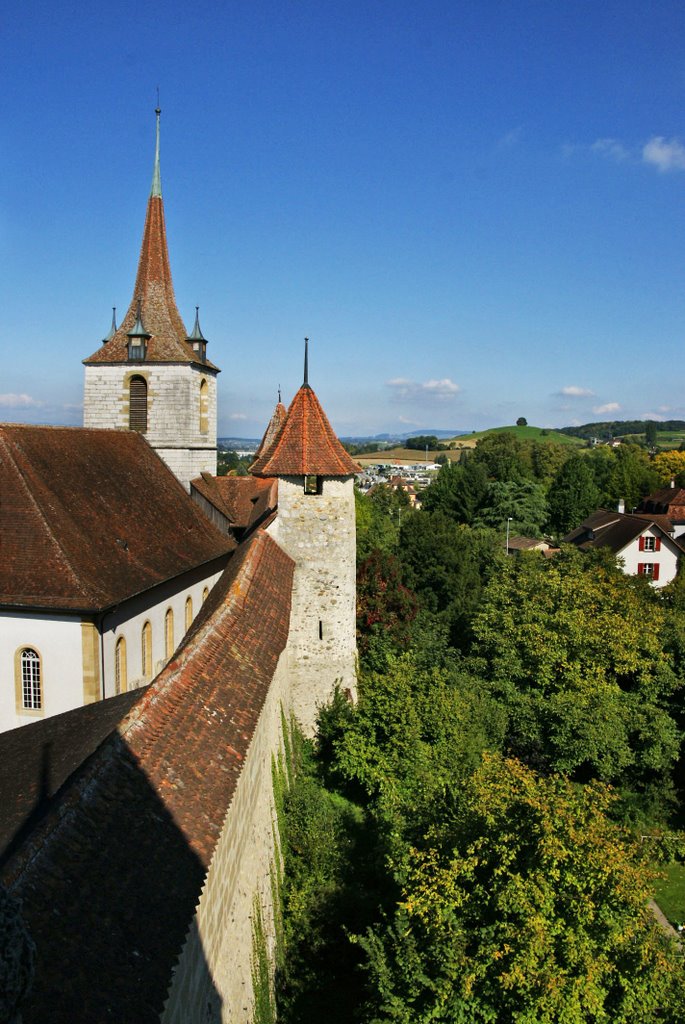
x=212, y=982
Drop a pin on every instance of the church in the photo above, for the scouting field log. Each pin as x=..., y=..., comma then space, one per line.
x=159, y=626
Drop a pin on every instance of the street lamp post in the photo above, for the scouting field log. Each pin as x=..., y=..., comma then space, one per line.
x=509, y=518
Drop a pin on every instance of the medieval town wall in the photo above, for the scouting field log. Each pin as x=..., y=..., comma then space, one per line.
x=212, y=982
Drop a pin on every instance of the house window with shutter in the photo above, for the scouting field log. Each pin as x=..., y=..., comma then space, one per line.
x=650, y=569
x=137, y=404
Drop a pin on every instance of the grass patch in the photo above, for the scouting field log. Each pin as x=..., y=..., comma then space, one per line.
x=528, y=433
x=670, y=892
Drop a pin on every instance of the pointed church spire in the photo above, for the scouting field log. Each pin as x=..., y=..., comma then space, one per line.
x=305, y=382
x=156, y=189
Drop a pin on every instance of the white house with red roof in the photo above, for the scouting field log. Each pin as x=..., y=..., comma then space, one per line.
x=643, y=546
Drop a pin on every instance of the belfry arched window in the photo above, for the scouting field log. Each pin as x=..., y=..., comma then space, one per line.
x=137, y=405
x=204, y=407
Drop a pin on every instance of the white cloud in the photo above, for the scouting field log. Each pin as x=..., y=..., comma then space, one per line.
x=441, y=390
x=237, y=416
x=407, y=422
x=608, y=407
x=652, y=416
x=611, y=148
x=664, y=154
x=573, y=391
x=11, y=401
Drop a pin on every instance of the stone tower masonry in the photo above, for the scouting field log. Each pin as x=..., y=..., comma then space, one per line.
x=315, y=525
x=150, y=375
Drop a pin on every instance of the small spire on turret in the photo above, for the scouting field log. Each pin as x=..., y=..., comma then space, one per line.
x=197, y=340
x=156, y=189
x=113, y=328
x=305, y=382
x=279, y=394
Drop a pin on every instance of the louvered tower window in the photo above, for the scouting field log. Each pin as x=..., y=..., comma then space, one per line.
x=137, y=408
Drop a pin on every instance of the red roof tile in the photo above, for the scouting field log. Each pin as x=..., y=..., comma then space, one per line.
x=306, y=444
x=155, y=291
x=275, y=423
x=244, y=500
x=89, y=518
x=133, y=832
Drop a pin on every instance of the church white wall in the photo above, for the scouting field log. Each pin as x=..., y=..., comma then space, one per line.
x=57, y=640
x=318, y=531
x=129, y=618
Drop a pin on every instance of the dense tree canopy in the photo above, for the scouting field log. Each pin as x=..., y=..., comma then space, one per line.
x=526, y=905
x=574, y=650
x=523, y=503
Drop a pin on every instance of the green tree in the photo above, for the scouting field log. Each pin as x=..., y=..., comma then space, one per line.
x=633, y=476
x=379, y=514
x=524, y=503
x=504, y=456
x=386, y=608
x=446, y=565
x=421, y=442
x=522, y=421
x=547, y=458
x=572, y=495
x=526, y=905
x=650, y=433
x=574, y=650
x=457, y=491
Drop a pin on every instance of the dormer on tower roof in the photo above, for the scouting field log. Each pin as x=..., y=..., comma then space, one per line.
x=153, y=293
x=306, y=444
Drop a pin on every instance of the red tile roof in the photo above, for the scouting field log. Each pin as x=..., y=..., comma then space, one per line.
x=306, y=444
x=244, y=500
x=89, y=518
x=155, y=291
x=111, y=877
x=275, y=423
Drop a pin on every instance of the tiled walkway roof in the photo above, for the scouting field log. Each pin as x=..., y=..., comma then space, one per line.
x=89, y=518
x=110, y=879
x=306, y=444
x=271, y=433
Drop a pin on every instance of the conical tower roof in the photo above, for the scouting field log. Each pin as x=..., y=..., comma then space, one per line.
x=154, y=291
x=306, y=444
x=271, y=433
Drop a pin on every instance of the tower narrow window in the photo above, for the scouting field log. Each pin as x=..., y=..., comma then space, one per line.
x=169, y=633
x=313, y=484
x=320, y=630
x=204, y=407
x=120, y=680
x=137, y=405
x=189, y=613
x=146, y=651
x=31, y=695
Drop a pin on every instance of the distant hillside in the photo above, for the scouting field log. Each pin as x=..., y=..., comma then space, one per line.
x=523, y=434
x=607, y=429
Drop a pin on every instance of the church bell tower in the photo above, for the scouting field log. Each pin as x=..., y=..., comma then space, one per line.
x=149, y=374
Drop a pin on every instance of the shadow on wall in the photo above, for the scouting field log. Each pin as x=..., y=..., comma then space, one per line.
x=109, y=886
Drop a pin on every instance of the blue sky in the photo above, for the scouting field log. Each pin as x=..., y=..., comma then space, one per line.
x=474, y=210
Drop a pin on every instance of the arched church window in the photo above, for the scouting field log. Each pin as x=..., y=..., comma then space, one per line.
x=169, y=633
x=189, y=613
x=204, y=407
x=120, y=679
x=146, y=651
x=205, y=594
x=137, y=406
x=31, y=695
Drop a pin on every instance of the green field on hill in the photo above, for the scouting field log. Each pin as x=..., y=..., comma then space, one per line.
x=523, y=434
